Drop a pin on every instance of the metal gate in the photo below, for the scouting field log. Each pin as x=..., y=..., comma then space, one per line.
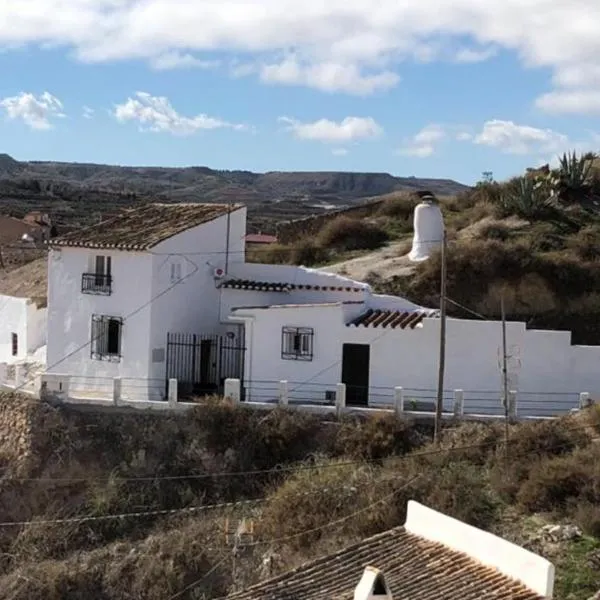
x=202, y=363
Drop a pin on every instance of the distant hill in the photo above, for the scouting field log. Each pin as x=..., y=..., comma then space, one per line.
x=78, y=193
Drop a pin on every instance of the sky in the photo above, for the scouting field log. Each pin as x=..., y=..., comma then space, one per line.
x=425, y=88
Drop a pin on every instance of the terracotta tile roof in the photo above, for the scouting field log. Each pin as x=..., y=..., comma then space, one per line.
x=392, y=318
x=270, y=286
x=27, y=281
x=144, y=227
x=414, y=569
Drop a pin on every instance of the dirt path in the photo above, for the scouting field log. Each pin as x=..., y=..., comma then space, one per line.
x=387, y=262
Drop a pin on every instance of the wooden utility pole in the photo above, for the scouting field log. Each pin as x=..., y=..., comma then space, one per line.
x=442, y=362
x=504, y=374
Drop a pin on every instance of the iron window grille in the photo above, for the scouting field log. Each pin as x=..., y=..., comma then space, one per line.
x=106, y=338
x=297, y=343
x=96, y=283
x=14, y=338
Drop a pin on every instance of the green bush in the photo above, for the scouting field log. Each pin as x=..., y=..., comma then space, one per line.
x=344, y=233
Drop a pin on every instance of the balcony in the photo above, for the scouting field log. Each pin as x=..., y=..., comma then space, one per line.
x=96, y=283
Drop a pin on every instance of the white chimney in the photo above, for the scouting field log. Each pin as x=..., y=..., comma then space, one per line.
x=428, y=229
x=372, y=586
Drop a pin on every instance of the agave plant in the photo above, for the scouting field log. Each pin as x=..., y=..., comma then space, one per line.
x=527, y=198
x=574, y=176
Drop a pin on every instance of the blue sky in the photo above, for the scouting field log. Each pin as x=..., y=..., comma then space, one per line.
x=422, y=88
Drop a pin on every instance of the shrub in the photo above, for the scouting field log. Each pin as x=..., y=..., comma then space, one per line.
x=344, y=233
x=586, y=244
x=376, y=437
x=400, y=207
x=310, y=499
x=525, y=198
x=471, y=442
x=560, y=480
x=587, y=516
x=308, y=253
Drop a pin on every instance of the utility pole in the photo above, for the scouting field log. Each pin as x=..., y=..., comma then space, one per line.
x=504, y=374
x=442, y=362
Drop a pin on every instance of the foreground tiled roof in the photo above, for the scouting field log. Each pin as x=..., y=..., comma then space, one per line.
x=392, y=318
x=269, y=286
x=414, y=569
x=27, y=281
x=144, y=227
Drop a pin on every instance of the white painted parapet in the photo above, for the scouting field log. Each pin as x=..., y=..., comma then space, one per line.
x=511, y=560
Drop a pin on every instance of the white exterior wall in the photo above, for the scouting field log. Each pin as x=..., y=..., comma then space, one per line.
x=193, y=305
x=14, y=320
x=70, y=313
x=549, y=373
x=37, y=327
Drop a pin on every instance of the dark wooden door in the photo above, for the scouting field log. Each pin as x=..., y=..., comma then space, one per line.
x=355, y=373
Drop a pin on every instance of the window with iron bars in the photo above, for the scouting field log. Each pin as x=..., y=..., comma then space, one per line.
x=297, y=343
x=106, y=337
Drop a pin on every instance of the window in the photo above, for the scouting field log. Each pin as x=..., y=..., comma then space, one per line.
x=106, y=337
x=102, y=271
x=297, y=343
x=99, y=280
x=15, y=343
x=175, y=272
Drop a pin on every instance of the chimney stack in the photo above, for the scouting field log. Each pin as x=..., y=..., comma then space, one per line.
x=372, y=586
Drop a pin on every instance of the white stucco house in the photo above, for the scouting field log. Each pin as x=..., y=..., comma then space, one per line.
x=23, y=308
x=163, y=292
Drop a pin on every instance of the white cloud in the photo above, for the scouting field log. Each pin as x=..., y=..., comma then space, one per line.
x=339, y=152
x=473, y=55
x=36, y=112
x=155, y=113
x=328, y=77
x=180, y=60
x=425, y=142
x=88, y=113
x=574, y=101
x=324, y=130
x=554, y=34
x=511, y=138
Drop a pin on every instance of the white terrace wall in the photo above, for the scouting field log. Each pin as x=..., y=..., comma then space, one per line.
x=13, y=320
x=234, y=298
x=70, y=314
x=193, y=305
x=546, y=370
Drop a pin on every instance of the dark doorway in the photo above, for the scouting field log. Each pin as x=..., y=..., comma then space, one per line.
x=355, y=373
x=206, y=360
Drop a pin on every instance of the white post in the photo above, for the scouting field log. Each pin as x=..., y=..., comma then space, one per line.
x=512, y=404
x=172, y=392
x=399, y=401
x=584, y=400
x=340, y=398
x=459, y=404
x=117, y=390
x=232, y=390
x=3, y=373
x=19, y=375
x=283, y=393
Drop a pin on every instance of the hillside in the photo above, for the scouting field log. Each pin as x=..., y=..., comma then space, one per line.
x=78, y=193
x=308, y=476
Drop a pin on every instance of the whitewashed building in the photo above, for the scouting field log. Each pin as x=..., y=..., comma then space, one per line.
x=163, y=292
x=23, y=309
